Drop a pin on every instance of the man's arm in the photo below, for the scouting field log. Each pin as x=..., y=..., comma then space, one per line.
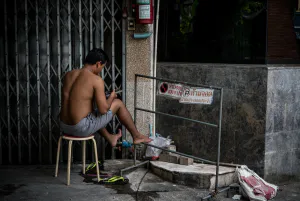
x=103, y=104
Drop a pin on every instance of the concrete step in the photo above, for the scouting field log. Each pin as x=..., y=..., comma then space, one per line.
x=196, y=175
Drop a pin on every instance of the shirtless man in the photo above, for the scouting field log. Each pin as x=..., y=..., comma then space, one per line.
x=80, y=88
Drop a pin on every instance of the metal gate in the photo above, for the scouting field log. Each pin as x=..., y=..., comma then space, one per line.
x=42, y=40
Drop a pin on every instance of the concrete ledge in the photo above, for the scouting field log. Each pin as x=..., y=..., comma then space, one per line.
x=196, y=175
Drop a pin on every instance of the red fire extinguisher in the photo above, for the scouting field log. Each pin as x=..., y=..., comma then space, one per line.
x=144, y=11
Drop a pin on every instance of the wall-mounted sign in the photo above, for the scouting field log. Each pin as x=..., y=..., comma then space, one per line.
x=170, y=89
x=186, y=94
x=197, y=96
x=144, y=12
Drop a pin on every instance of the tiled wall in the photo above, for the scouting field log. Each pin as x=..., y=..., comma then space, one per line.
x=244, y=136
x=139, y=61
x=282, y=151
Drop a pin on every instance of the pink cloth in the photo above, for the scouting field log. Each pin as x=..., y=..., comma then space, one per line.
x=259, y=188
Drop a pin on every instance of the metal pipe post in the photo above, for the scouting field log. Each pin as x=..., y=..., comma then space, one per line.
x=97, y=45
x=27, y=83
x=69, y=35
x=219, y=141
x=154, y=65
x=85, y=30
x=59, y=66
x=102, y=72
x=91, y=24
x=134, y=114
x=97, y=22
x=7, y=77
x=113, y=155
x=7, y=84
x=267, y=30
x=102, y=33
x=102, y=29
x=58, y=54
x=90, y=36
x=17, y=86
x=38, y=78
x=49, y=81
x=80, y=32
x=124, y=67
x=134, y=166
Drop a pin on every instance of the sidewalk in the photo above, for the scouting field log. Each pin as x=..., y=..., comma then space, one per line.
x=37, y=183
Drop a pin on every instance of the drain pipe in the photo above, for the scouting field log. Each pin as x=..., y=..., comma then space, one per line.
x=124, y=18
x=154, y=67
x=267, y=30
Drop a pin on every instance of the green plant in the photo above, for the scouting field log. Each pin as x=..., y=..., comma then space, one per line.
x=252, y=7
x=187, y=16
x=249, y=10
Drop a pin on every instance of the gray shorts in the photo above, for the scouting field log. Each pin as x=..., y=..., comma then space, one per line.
x=88, y=125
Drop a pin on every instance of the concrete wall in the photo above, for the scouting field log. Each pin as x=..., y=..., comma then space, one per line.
x=245, y=108
x=139, y=54
x=282, y=149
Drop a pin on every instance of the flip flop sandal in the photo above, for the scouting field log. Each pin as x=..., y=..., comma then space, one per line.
x=115, y=180
x=91, y=168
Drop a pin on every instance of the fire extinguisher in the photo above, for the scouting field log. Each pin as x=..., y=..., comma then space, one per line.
x=144, y=11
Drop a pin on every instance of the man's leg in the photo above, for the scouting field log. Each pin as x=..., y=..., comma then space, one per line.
x=112, y=139
x=124, y=116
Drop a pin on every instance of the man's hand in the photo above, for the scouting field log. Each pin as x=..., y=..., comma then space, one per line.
x=113, y=95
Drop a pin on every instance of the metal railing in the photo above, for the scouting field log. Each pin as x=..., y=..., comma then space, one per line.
x=218, y=126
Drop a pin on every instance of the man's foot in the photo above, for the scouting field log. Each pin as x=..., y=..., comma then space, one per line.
x=113, y=139
x=141, y=138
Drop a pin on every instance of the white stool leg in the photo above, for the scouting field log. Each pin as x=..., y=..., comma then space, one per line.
x=96, y=158
x=57, y=155
x=83, y=156
x=69, y=162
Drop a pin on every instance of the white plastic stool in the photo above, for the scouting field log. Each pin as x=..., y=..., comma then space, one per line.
x=83, y=139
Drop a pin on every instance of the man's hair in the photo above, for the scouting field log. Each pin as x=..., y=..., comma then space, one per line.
x=96, y=55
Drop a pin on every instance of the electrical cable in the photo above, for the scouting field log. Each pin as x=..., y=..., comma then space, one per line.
x=137, y=191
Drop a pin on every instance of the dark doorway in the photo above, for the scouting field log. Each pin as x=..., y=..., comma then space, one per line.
x=210, y=32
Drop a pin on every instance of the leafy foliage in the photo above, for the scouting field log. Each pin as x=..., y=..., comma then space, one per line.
x=187, y=17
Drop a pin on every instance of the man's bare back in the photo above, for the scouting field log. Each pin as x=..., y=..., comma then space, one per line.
x=77, y=96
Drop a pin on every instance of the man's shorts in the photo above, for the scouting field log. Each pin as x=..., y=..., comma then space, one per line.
x=88, y=125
